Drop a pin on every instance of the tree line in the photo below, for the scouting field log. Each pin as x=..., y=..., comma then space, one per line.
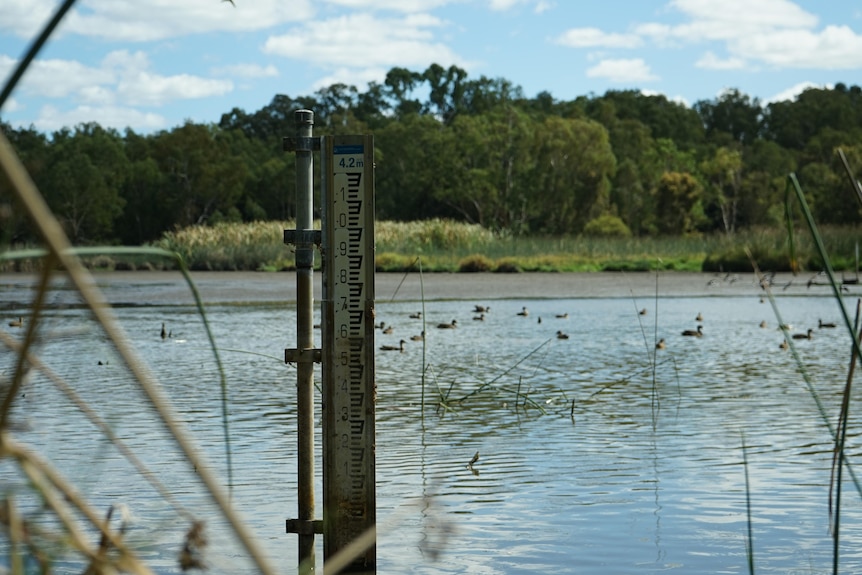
x=475, y=150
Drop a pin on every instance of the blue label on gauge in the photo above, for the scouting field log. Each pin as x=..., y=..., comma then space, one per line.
x=348, y=149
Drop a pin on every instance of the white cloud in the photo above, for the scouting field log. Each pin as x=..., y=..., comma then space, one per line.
x=835, y=47
x=11, y=105
x=676, y=99
x=593, y=37
x=352, y=77
x=362, y=41
x=121, y=76
x=247, y=71
x=726, y=18
x=623, y=70
x=793, y=92
x=710, y=61
x=26, y=18
x=776, y=33
x=55, y=78
x=149, y=20
x=145, y=89
x=51, y=119
x=502, y=5
x=134, y=83
x=406, y=6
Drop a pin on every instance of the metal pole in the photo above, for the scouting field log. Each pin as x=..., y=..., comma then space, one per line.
x=305, y=334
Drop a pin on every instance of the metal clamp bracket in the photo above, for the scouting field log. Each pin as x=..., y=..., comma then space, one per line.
x=300, y=144
x=304, y=526
x=294, y=355
x=307, y=237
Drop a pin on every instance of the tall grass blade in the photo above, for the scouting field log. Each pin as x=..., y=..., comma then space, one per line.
x=838, y=453
x=821, y=409
x=29, y=338
x=60, y=248
x=99, y=423
x=827, y=264
x=749, y=542
x=788, y=221
x=857, y=188
x=34, y=49
x=181, y=266
x=424, y=337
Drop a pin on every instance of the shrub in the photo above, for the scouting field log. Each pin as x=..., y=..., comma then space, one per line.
x=607, y=226
x=508, y=265
x=476, y=263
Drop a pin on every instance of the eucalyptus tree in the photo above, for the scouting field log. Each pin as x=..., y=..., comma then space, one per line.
x=572, y=166
x=722, y=173
x=492, y=160
x=203, y=179
x=400, y=84
x=733, y=114
x=764, y=180
x=415, y=158
x=447, y=91
x=665, y=118
x=87, y=169
x=33, y=149
x=678, y=203
x=792, y=123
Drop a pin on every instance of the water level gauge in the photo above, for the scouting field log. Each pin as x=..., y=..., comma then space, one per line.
x=348, y=337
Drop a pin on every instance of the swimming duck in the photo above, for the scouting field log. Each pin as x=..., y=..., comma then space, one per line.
x=562, y=315
x=417, y=315
x=399, y=347
x=824, y=324
x=660, y=344
x=695, y=333
x=388, y=329
x=419, y=337
x=561, y=335
x=481, y=308
x=763, y=323
x=480, y=317
x=524, y=312
x=452, y=325
x=164, y=333
x=699, y=317
x=643, y=311
x=17, y=322
x=783, y=344
x=808, y=335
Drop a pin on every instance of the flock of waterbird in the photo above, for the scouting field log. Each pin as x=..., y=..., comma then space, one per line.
x=480, y=311
x=478, y=314
x=809, y=334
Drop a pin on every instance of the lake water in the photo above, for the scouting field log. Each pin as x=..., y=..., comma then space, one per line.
x=626, y=459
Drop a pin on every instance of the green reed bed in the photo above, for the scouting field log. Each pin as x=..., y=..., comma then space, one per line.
x=449, y=246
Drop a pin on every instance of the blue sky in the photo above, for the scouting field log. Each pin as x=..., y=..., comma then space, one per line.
x=152, y=64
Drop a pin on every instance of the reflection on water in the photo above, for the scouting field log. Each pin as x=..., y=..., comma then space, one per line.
x=592, y=458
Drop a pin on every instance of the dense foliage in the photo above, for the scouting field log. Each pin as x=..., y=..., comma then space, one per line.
x=474, y=150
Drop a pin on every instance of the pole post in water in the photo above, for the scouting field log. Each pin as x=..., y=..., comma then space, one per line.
x=349, y=387
x=304, y=237
x=349, y=392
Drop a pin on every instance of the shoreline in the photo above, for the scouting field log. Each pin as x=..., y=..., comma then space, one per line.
x=142, y=288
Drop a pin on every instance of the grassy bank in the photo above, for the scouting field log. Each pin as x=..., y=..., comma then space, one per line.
x=446, y=246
